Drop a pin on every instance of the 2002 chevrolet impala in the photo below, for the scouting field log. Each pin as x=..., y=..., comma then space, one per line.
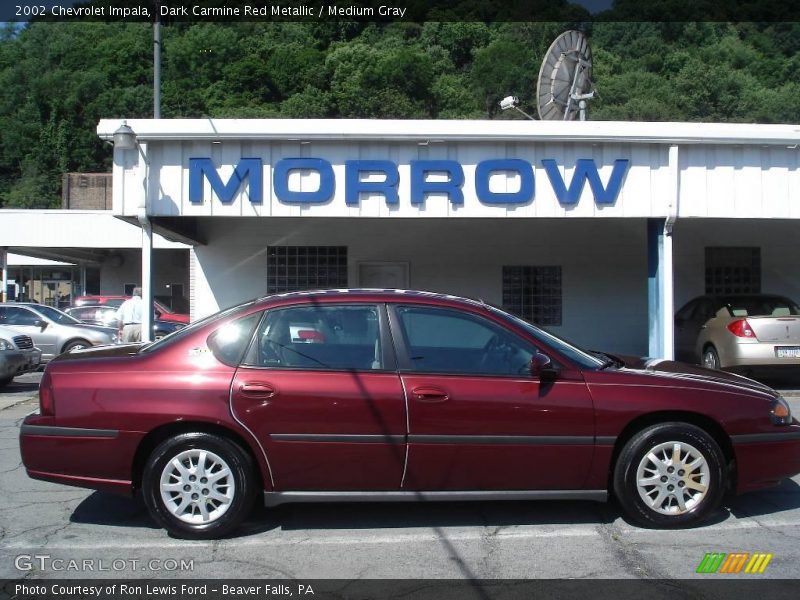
x=389, y=395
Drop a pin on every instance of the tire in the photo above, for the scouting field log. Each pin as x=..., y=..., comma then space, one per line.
x=179, y=510
x=5, y=381
x=710, y=358
x=655, y=504
x=76, y=345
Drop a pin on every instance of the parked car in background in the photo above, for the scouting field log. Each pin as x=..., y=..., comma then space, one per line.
x=107, y=316
x=52, y=330
x=163, y=312
x=17, y=355
x=739, y=331
x=378, y=395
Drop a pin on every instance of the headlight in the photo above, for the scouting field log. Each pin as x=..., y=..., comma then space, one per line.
x=6, y=345
x=780, y=413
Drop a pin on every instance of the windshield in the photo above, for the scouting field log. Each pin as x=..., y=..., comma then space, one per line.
x=179, y=334
x=580, y=357
x=56, y=315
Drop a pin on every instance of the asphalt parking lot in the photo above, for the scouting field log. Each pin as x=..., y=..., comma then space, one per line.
x=45, y=526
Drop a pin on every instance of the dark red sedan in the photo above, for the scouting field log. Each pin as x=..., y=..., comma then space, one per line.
x=386, y=395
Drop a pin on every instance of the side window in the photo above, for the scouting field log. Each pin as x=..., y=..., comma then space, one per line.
x=441, y=340
x=685, y=313
x=319, y=337
x=13, y=315
x=229, y=342
x=705, y=310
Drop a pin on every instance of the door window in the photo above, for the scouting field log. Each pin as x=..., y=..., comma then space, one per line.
x=14, y=315
x=319, y=337
x=448, y=341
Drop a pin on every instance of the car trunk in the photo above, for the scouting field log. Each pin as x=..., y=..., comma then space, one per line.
x=781, y=330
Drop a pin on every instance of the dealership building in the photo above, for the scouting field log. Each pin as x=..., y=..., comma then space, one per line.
x=596, y=230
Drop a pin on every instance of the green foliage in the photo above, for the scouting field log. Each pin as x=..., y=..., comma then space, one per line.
x=58, y=79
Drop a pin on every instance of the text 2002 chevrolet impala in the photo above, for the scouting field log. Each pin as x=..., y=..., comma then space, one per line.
x=386, y=395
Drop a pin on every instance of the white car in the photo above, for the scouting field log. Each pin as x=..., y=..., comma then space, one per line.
x=17, y=355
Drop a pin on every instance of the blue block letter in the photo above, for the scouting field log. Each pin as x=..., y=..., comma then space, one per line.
x=280, y=180
x=586, y=169
x=420, y=187
x=249, y=168
x=353, y=184
x=526, y=186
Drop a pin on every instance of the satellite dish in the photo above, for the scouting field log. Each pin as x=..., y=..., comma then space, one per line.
x=565, y=79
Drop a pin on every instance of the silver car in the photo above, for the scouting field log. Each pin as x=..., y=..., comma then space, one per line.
x=52, y=330
x=17, y=355
x=739, y=331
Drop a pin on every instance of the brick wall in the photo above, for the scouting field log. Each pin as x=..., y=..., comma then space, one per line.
x=88, y=191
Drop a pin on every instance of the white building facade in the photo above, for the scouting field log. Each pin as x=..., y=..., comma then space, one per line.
x=597, y=230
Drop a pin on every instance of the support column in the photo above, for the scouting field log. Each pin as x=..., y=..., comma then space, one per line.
x=660, y=286
x=147, y=280
x=4, y=266
x=83, y=280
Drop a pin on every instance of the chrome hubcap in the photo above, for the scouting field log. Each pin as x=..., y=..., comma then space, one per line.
x=197, y=486
x=709, y=361
x=673, y=478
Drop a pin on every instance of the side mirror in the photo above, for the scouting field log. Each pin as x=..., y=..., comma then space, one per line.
x=41, y=324
x=543, y=368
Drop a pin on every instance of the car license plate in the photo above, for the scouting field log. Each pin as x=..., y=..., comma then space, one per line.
x=788, y=352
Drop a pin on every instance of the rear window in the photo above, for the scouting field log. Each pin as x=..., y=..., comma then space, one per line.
x=760, y=306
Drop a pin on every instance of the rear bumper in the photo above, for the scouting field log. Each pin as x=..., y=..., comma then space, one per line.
x=753, y=354
x=99, y=459
x=763, y=460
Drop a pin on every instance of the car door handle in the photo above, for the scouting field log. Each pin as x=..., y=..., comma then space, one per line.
x=430, y=394
x=257, y=391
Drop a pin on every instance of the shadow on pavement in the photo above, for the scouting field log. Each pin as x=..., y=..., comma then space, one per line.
x=108, y=509
x=783, y=497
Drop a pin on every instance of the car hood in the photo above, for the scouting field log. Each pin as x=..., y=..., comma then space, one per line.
x=692, y=373
x=114, y=351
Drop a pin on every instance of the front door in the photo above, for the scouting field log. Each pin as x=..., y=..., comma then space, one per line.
x=477, y=419
x=25, y=322
x=319, y=389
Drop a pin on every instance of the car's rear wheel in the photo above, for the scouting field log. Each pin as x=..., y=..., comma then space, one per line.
x=199, y=485
x=670, y=475
x=77, y=345
x=5, y=381
x=710, y=358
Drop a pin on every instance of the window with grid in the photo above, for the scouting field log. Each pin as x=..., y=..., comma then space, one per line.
x=297, y=268
x=533, y=293
x=733, y=270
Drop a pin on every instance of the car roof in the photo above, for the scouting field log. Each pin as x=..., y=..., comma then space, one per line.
x=371, y=294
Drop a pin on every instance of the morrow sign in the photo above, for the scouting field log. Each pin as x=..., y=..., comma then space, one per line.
x=252, y=171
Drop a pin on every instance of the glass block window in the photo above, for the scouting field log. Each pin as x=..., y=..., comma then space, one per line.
x=733, y=270
x=533, y=293
x=297, y=268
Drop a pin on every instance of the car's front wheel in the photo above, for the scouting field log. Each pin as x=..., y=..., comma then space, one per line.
x=670, y=475
x=199, y=485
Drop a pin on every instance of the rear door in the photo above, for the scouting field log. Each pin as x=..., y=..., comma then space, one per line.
x=478, y=420
x=319, y=389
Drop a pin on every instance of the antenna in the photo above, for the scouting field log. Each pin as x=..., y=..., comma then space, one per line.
x=565, y=79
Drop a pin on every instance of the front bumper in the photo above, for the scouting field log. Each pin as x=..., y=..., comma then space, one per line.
x=765, y=459
x=17, y=362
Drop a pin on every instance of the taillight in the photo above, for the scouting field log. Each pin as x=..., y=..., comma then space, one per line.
x=741, y=328
x=47, y=401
